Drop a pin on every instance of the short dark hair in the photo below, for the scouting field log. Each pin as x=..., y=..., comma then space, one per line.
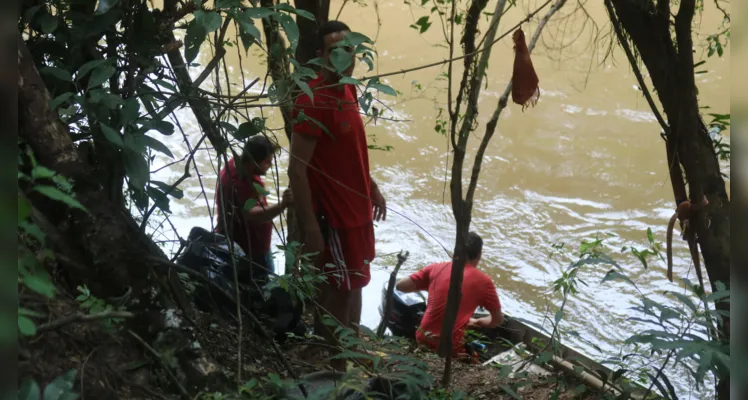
x=257, y=149
x=328, y=28
x=474, y=246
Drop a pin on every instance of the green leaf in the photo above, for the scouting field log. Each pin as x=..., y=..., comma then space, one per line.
x=137, y=169
x=88, y=67
x=291, y=29
x=48, y=23
x=350, y=81
x=718, y=296
x=130, y=111
x=40, y=283
x=383, y=89
x=258, y=12
x=62, y=387
x=422, y=25
x=55, y=194
x=210, y=20
x=614, y=275
x=318, y=61
x=251, y=128
x=193, y=38
x=111, y=135
x=58, y=73
x=650, y=236
x=29, y=390
x=299, y=12
x=248, y=31
x=510, y=391
x=159, y=198
x=24, y=209
x=157, y=145
x=26, y=326
x=228, y=3
x=340, y=59
x=559, y=315
x=32, y=230
x=685, y=300
x=100, y=75
x=165, y=127
x=249, y=204
x=617, y=374
x=42, y=172
x=304, y=88
x=301, y=117
x=173, y=192
x=29, y=14
x=165, y=85
x=54, y=103
x=505, y=371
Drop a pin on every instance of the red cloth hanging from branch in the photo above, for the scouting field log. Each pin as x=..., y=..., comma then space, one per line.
x=525, y=90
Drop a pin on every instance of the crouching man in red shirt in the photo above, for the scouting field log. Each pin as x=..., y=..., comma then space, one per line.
x=336, y=200
x=251, y=228
x=477, y=290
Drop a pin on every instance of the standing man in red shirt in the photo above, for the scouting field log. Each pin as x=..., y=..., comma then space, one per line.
x=477, y=290
x=336, y=199
x=252, y=227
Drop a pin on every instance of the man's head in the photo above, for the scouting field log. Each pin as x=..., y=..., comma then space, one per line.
x=257, y=155
x=474, y=248
x=328, y=35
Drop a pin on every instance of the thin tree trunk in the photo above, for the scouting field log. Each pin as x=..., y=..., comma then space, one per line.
x=307, y=48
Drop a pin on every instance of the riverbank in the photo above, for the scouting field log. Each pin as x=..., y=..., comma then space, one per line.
x=112, y=362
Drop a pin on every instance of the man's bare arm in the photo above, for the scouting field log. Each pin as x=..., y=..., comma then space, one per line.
x=406, y=285
x=302, y=148
x=267, y=213
x=260, y=213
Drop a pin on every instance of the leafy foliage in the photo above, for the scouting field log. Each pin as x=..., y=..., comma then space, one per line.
x=61, y=388
x=96, y=305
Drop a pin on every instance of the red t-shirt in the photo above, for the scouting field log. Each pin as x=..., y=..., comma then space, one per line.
x=253, y=237
x=338, y=171
x=477, y=290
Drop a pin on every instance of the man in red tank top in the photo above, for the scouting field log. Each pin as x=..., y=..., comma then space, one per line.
x=477, y=290
x=336, y=199
x=249, y=223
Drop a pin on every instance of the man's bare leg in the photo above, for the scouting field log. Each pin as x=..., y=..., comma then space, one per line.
x=336, y=303
x=354, y=310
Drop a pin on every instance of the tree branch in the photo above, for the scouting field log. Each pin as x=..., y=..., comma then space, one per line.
x=83, y=318
x=160, y=359
x=491, y=125
x=634, y=66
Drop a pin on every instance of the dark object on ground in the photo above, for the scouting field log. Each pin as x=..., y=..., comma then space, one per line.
x=375, y=387
x=209, y=254
x=406, y=314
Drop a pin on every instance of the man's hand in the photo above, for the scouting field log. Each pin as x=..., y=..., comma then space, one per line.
x=473, y=323
x=286, y=198
x=379, y=204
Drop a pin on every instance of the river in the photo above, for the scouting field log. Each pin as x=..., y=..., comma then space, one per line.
x=586, y=161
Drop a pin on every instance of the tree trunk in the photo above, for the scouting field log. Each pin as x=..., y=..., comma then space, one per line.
x=307, y=49
x=671, y=69
x=106, y=238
